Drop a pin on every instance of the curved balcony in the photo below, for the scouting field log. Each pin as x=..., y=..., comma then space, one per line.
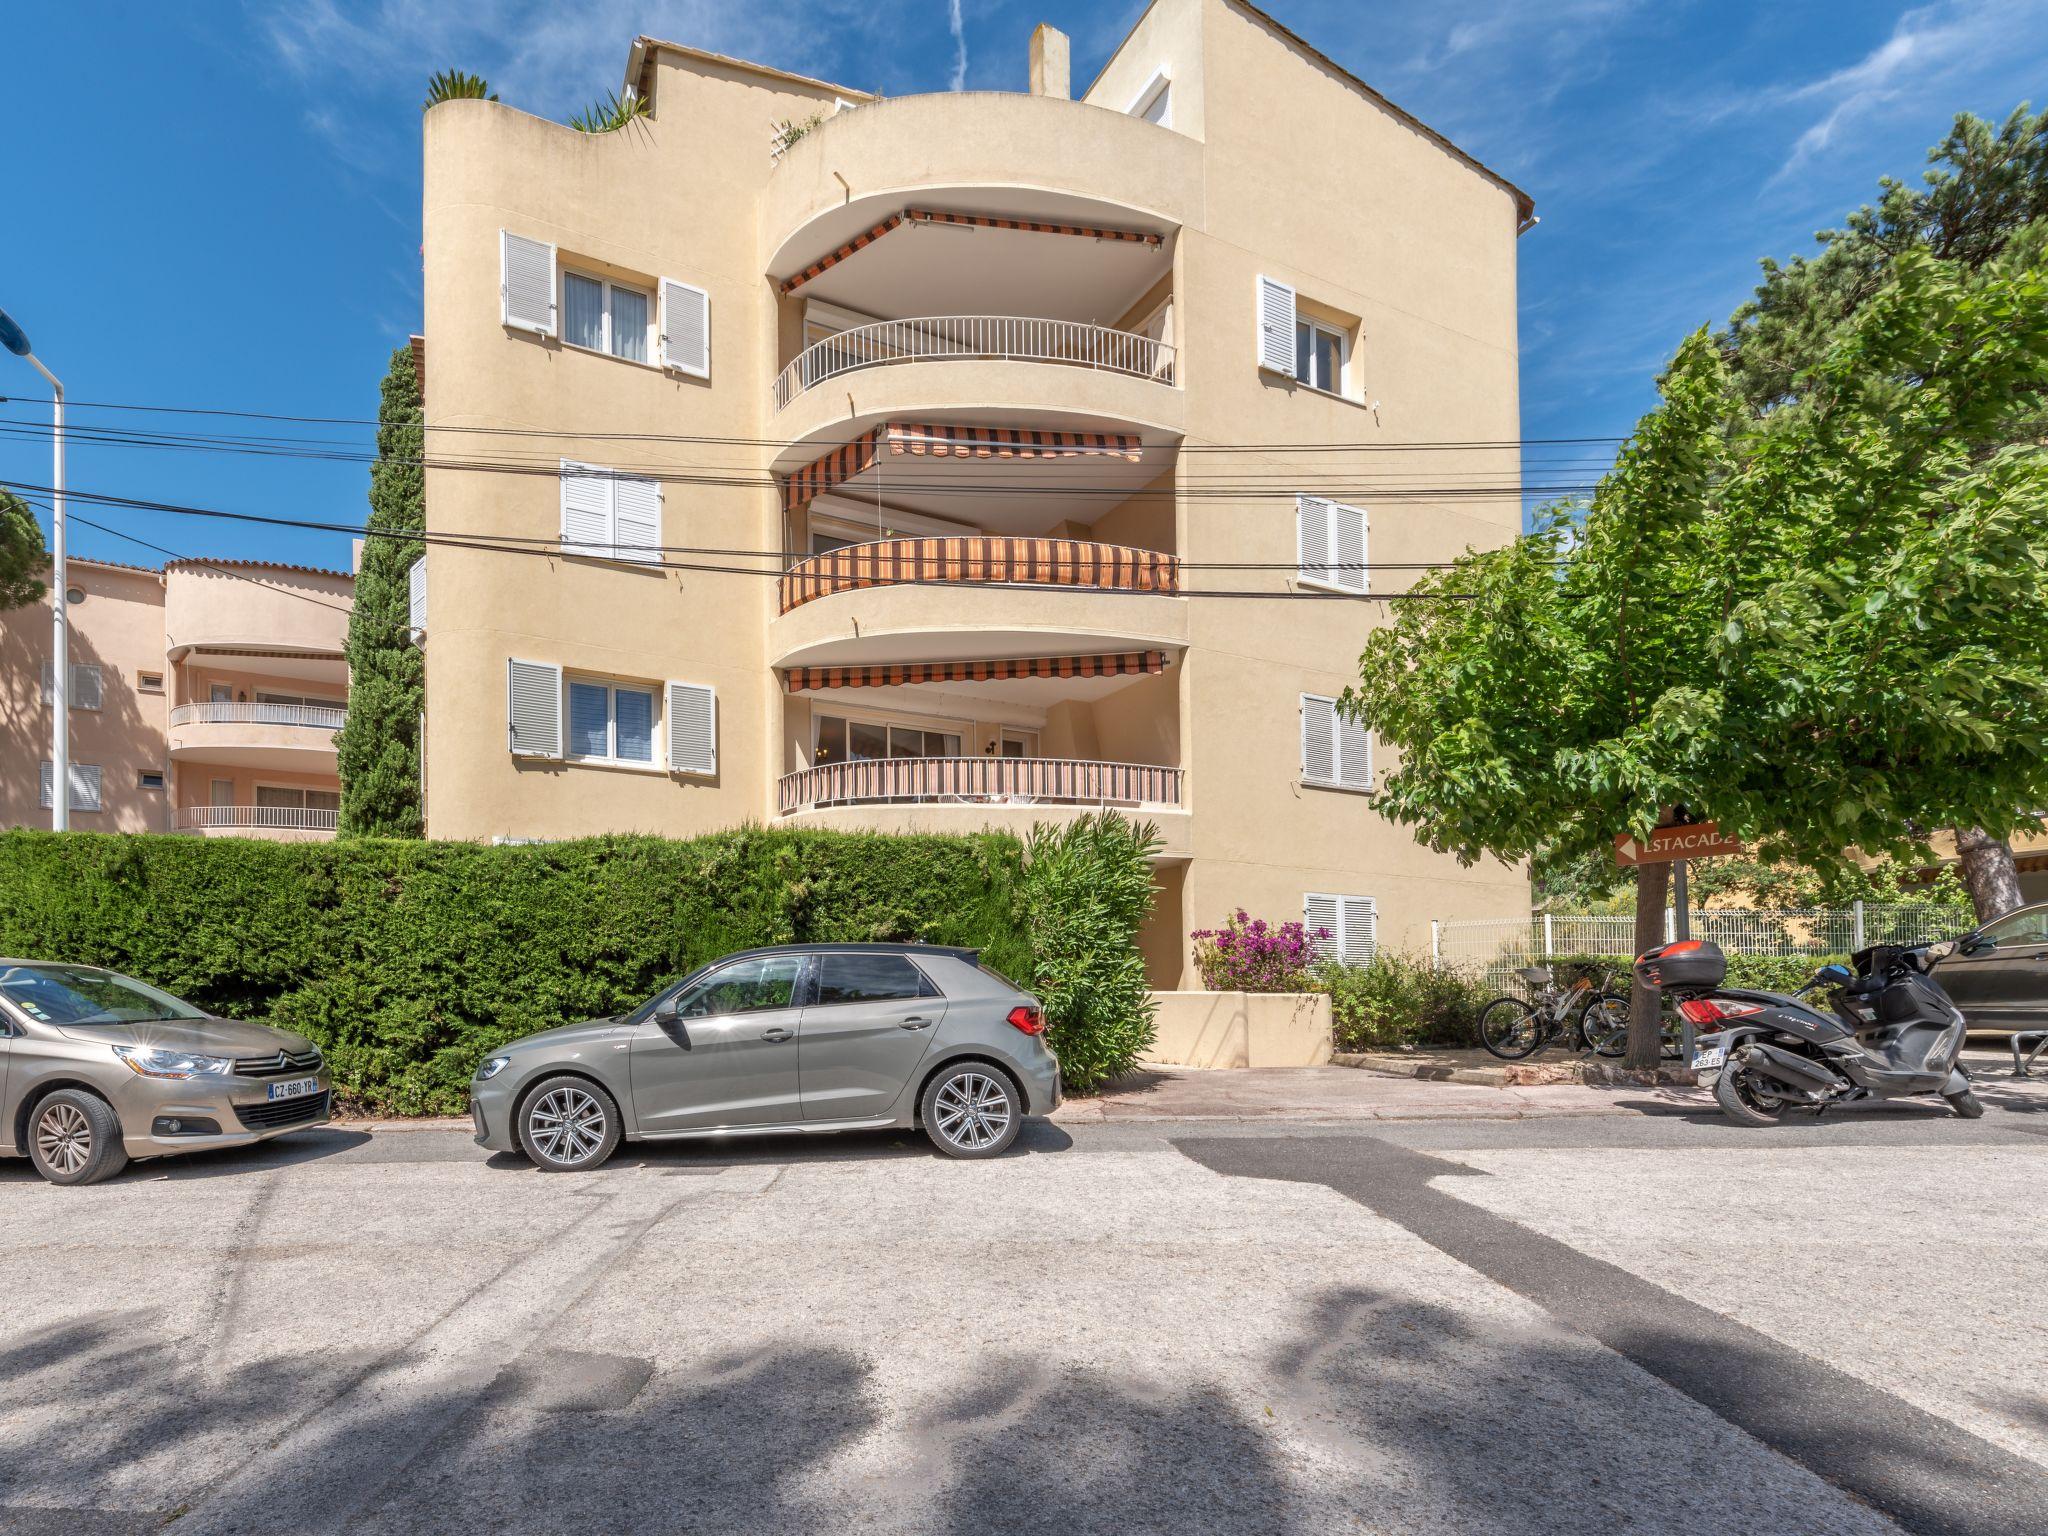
x=994, y=781
x=286, y=823
x=1026, y=562
x=291, y=736
x=976, y=339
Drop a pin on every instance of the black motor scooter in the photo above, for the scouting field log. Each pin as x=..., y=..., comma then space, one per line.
x=1892, y=1032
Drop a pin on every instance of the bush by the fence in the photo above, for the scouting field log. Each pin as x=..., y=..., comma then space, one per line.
x=1394, y=1000
x=1761, y=973
x=1087, y=890
x=408, y=962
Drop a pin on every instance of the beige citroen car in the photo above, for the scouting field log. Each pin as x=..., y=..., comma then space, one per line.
x=97, y=1068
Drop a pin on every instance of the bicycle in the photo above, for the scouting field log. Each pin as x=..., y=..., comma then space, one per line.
x=1591, y=1012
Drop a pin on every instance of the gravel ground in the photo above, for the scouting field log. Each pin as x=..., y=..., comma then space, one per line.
x=1101, y=1332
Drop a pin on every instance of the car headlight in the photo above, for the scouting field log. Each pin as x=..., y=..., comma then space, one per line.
x=493, y=1067
x=157, y=1061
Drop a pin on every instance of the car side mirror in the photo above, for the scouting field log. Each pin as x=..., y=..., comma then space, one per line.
x=1977, y=944
x=665, y=1011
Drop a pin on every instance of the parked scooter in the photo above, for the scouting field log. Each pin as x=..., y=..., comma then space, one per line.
x=1892, y=1032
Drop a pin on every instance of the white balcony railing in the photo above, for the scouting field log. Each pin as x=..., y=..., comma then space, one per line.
x=986, y=338
x=982, y=781
x=326, y=717
x=242, y=818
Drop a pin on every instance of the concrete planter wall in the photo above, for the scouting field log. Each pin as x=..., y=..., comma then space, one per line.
x=1241, y=1029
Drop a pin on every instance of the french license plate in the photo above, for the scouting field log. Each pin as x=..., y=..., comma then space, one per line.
x=297, y=1088
x=1706, y=1057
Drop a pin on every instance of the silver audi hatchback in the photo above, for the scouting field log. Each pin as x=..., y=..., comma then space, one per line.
x=96, y=1068
x=805, y=1037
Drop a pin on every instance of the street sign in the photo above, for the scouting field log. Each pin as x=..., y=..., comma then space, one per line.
x=1699, y=840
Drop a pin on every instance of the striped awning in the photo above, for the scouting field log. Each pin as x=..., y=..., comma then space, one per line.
x=919, y=440
x=1032, y=226
x=832, y=259
x=867, y=238
x=897, y=674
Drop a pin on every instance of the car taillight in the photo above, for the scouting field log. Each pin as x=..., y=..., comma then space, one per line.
x=1708, y=1012
x=1029, y=1019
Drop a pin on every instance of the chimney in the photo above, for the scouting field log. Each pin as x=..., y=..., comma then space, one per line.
x=1049, y=70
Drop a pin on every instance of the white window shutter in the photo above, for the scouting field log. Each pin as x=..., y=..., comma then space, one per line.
x=416, y=594
x=1312, y=538
x=685, y=328
x=1276, y=326
x=534, y=707
x=587, y=495
x=1348, y=540
x=45, y=795
x=636, y=519
x=526, y=283
x=1354, y=753
x=1319, y=760
x=692, y=728
x=87, y=687
x=1326, y=913
x=85, y=787
x=49, y=682
x=1360, y=930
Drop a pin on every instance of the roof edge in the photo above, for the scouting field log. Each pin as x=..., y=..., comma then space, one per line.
x=644, y=48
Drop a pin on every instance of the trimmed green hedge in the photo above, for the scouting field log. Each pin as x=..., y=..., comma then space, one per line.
x=409, y=961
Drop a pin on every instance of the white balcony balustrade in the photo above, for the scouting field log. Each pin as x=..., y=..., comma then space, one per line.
x=976, y=338
x=324, y=717
x=256, y=818
x=981, y=781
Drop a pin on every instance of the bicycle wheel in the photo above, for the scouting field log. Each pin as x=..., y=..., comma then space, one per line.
x=1508, y=1028
x=1604, y=1024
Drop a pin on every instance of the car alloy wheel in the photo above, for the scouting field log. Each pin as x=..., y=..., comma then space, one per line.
x=568, y=1126
x=64, y=1138
x=972, y=1111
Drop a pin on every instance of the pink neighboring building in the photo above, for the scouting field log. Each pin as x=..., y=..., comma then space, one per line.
x=204, y=699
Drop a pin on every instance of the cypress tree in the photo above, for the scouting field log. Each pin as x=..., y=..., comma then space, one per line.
x=380, y=745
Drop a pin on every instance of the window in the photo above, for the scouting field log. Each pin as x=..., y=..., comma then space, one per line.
x=611, y=722
x=87, y=686
x=1336, y=753
x=1319, y=356
x=841, y=740
x=149, y=682
x=870, y=979
x=1351, y=924
x=746, y=986
x=2023, y=927
x=85, y=787
x=602, y=316
x=288, y=797
x=1330, y=544
x=609, y=515
x=1019, y=743
x=148, y=780
x=265, y=696
x=1155, y=102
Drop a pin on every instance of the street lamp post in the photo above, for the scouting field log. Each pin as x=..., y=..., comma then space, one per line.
x=15, y=340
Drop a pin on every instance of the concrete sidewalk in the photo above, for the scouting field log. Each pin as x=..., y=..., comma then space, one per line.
x=1342, y=1093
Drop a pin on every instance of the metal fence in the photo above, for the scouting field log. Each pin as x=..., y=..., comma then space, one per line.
x=1002, y=338
x=1497, y=947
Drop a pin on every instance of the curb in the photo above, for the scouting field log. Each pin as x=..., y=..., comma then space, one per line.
x=1589, y=1074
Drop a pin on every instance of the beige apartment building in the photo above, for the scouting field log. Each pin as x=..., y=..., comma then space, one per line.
x=204, y=698
x=961, y=460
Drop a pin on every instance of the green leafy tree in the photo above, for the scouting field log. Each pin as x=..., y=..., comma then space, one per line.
x=379, y=745
x=454, y=85
x=1087, y=891
x=22, y=556
x=1819, y=627
x=1986, y=187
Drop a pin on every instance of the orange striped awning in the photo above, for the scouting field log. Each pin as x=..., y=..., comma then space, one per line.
x=1032, y=226
x=832, y=259
x=896, y=674
x=867, y=238
x=921, y=440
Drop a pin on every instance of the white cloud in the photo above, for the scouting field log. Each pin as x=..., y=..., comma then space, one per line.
x=1929, y=47
x=958, y=27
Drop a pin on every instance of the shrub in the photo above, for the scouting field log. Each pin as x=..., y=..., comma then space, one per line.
x=1087, y=890
x=409, y=961
x=1248, y=954
x=1393, y=1000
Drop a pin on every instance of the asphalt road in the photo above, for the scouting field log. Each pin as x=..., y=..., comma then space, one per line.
x=1640, y=1323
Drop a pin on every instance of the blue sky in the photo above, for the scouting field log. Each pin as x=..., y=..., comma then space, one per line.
x=217, y=204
